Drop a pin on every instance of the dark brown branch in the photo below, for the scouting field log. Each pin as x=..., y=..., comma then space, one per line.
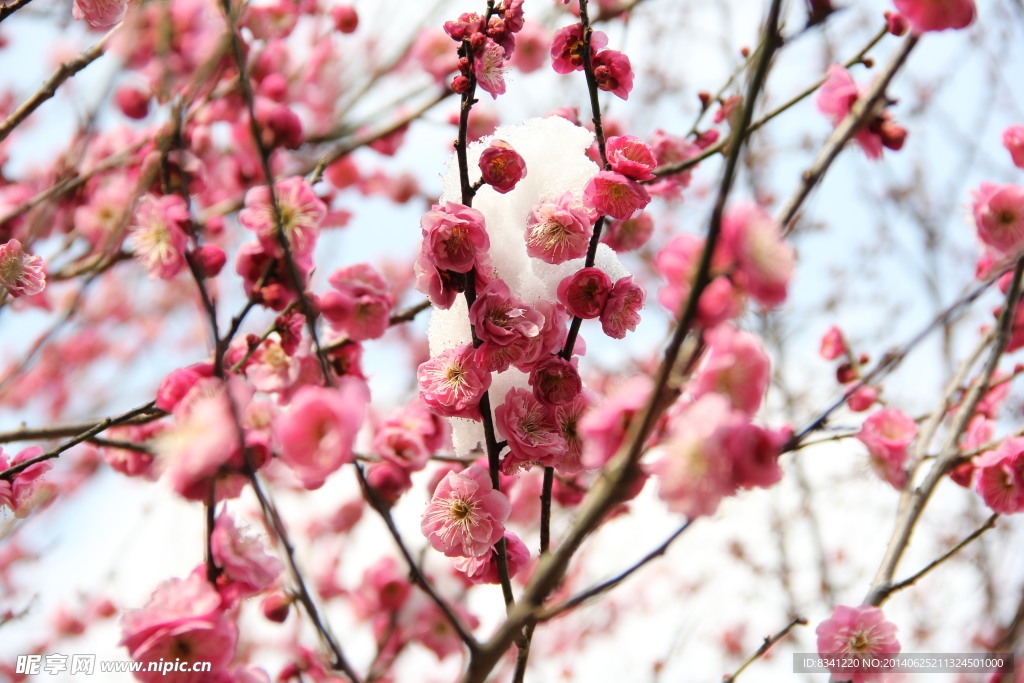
x=12, y=7
x=49, y=89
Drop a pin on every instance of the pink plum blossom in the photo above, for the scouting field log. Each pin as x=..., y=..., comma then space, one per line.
x=613, y=73
x=838, y=94
x=22, y=493
x=246, y=568
x=735, y=366
x=585, y=292
x=632, y=157
x=454, y=237
x=184, y=620
x=99, y=13
x=832, y=344
x=555, y=381
x=301, y=210
x=629, y=234
x=672, y=149
x=567, y=48
x=360, y=303
x=937, y=15
x=559, y=231
x=887, y=433
x=567, y=417
x=531, y=431
x=603, y=428
x=857, y=633
x=159, y=236
x=710, y=453
x=203, y=441
x=466, y=516
x=316, y=434
x=489, y=68
x=501, y=166
x=452, y=383
x=21, y=274
x=502, y=319
x=999, y=216
x=483, y=570
x=764, y=261
x=613, y=194
x=1013, y=141
x=999, y=476
x=621, y=312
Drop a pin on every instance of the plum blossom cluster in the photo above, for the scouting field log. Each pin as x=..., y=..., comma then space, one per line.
x=836, y=99
x=486, y=45
x=751, y=260
x=711, y=448
x=573, y=44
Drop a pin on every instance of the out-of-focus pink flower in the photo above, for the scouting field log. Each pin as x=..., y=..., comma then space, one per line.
x=202, y=442
x=246, y=567
x=555, y=381
x=466, y=516
x=432, y=52
x=557, y=232
x=710, y=453
x=346, y=19
x=613, y=73
x=174, y=387
x=185, y=621
x=999, y=476
x=302, y=212
x=484, y=569
x=400, y=446
x=613, y=194
x=531, y=47
x=489, y=68
x=100, y=13
x=735, y=366
x=857, y=633
x=621, y=312
x=672, y=149
x=454, y=237
x=567, y=48
x=604, y=427
x=430, y=627
x=764, y=260
x=585, y=292
x=21, y=274
x=1013, y=140
x=631, y=157
x=937, y=15
x=20, y=494
x=531, y=431
x=389, y=480
x=501, y=166
x=836, y=99
x=452, y=383
x=629, y=234
x=887, y=433
x=158, y=234
x=862, y=398
x=360, y=303
x=316, y=434
x=999, y=216
x=832, y=344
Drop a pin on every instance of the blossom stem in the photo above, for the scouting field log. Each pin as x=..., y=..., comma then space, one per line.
x=990, y=523
x=621, y=468
x=765, y=646
x=912, y=503
x=414, y=570
x=863, y=109
x=282, y=238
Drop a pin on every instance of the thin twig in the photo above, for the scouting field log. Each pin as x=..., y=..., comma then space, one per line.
x=911, y=580
x=49, y=89
x=12, y=7
x=765, y=646
x=9, y=473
